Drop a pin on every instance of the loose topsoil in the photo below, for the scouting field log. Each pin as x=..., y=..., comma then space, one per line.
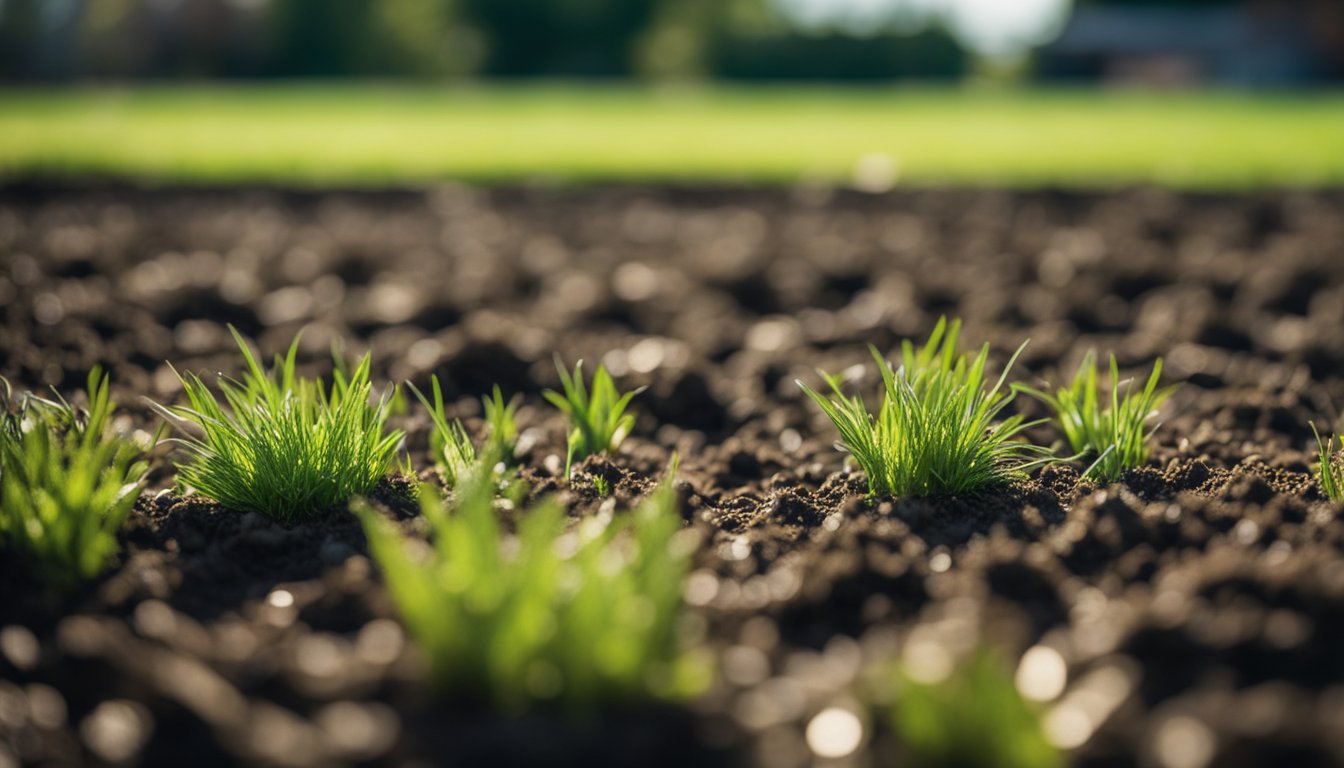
x=1198, y=603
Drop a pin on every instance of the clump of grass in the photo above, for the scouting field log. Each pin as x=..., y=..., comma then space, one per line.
x=545, y=616
x=281, y=445
x=974, y=717
x=938, y=430
x=1329, y=472
x=450, y=444
x=66, y=482
x=598, y=421
x=501, y=419
x=1111, y=431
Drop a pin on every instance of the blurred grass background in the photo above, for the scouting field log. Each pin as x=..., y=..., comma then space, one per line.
x=373, y=135
x=1201, y=94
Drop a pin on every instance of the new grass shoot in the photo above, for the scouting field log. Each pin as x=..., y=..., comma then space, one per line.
x=938, y=430
x=1110, y=431
x=598, y=420
x=450, y=444
x=1329, y=470
x=502, y=422
x=67, y=482
x=282, y=445
x=973, y=717
x=551, y=614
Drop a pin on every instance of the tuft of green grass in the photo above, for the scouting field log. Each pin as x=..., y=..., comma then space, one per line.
x=450, y=444
x=598, y=421
x=1110, y=431
x=974, y=717
x=549, y=615
x=937, y=431
x=281, y=445
x=66, y=482
x=1329, y=472
x=501, y=418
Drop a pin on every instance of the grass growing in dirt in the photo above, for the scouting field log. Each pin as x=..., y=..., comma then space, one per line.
x=1329, y=471
x=450, y=444
x=1109, y=431
x=974, y=717
x=936, y=432
x=66, y=482
x=576, y=618
x=598, y=421
x=283, y=445
x=501, y=420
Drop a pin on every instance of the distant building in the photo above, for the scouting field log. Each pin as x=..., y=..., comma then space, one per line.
x=1255, y=43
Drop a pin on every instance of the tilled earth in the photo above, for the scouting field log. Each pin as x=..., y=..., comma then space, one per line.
x=1198, y=603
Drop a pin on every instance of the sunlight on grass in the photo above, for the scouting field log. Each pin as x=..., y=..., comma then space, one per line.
x=549, y=614
x=380, y=134
x=280, y=444
x=67, y=482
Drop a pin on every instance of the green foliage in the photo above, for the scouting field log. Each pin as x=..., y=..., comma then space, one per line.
x=598, y=421
x=1108, y=430
x=935, y=433
x=975, y=717
x=575, y=618
x=791, y=55
x=450, y=444
x=66, y=483
x=500, y=417
x=1329, y=472
x=282, y=445
x=566, y=38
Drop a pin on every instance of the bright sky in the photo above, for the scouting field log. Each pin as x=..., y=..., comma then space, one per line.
x=991, y=27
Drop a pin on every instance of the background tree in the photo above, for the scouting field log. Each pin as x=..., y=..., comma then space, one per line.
x=593, y=38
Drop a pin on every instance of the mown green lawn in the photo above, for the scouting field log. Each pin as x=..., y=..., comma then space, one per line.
x=378, y=135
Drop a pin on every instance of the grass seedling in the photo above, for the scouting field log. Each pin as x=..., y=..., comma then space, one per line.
x=936, y=432
x=66, y=483
x=500, y=417
x=1329, y=472
x=598, y=421
x=450, y=444
x=1110, y=431
x=974, y=717
x=575, y=617
x=282, y=445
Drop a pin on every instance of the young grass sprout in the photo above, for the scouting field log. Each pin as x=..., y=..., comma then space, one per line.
x=598, y=421
x=1110, y=431
x=66, y=483
x=450, y=444
x=282, y=445
x=1330, y=471
x=937, y=431
x=973, y=717
x=501, y=419
x=577, y=616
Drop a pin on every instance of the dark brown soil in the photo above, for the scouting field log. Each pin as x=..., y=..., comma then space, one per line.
x=1198, y=603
